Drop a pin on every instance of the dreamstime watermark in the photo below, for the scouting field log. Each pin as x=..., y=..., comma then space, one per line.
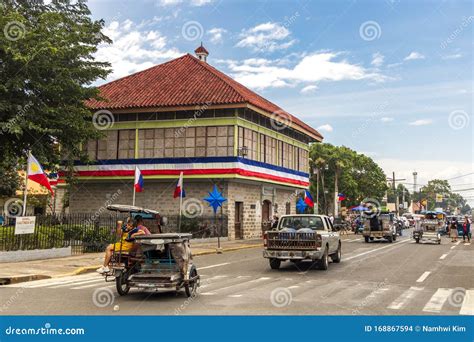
x=280, y=120
x=458, y=119
x=12, y=299
x=192, y=30
x=373, y=207
x=192, y=207
x=370, y=30
x=185, y=304
x=370, y=298
x=280, y=31
x=103, y=208
x=21, y=113
x=457, y=297
x=103, y=119
x=464, y=23
x=379, y=110
x=14, y=30
x=47, y=329
x=13, y=207
x=281, y=297
x=103, y=297
x=197, y=114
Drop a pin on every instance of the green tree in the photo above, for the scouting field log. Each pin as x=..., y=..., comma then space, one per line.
x=359, y=177
x=47, y=67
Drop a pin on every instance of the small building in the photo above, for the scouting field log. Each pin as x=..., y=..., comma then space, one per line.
x=186, y=116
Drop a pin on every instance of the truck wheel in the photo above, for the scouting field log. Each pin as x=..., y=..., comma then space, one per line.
x=336, y=257
x=324, y=262
x=275, y=264
x=395, y=237
x=390, y=239
x=366, y=239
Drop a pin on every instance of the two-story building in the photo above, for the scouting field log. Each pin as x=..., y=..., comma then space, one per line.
x=186, y=116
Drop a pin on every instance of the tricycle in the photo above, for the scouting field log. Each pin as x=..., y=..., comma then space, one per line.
x=157, y=261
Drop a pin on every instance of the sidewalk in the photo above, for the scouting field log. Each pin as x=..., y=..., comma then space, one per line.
x=17, y=272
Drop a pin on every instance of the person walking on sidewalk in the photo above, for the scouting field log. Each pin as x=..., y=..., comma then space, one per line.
x=466, y=230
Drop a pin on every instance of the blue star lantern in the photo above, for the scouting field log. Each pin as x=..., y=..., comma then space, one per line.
x=301, y=206
x=215, y=199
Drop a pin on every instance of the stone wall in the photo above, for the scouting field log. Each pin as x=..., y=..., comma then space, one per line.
x=94, y=197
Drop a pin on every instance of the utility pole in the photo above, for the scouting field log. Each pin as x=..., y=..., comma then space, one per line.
x=336, y=197
x=397, y=200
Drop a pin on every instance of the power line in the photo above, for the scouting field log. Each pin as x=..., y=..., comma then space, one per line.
x=467, y=174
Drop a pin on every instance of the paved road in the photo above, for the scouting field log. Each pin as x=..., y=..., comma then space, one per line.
x=402, y=278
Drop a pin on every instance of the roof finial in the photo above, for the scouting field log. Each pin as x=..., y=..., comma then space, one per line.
x=201, y=53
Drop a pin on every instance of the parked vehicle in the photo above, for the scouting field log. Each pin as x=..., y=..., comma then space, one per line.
x=300, y=238
x=159, y=261
x=430, y=226
x=380, y=227
x=411, y=219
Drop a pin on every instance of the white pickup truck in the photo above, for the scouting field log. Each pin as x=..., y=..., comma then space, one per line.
x=302, y=237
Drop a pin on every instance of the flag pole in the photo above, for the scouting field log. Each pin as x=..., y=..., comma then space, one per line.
x=180, y=209
x=134, y=190
x=25, y=192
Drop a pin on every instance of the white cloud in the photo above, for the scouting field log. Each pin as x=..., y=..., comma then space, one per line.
x=421, y=122
x=196, y=3
x=377, y=59
x=386, y=119
x=266, y=37
x=325, y=128
x=309, y=89
x=216, y=35
x=134, y=48
x=414, y=55
x=453, y=56
x=323, y=66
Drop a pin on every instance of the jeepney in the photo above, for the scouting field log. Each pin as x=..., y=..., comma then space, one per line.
x=428, y=228
x=379, y=227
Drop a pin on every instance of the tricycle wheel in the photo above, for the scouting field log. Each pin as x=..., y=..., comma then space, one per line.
x=366, y=239
x=190, y=288
x=275, y=264
x=417, y=240
x=121, y=283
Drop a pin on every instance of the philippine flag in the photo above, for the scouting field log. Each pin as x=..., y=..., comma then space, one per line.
x=341, y=196
x=179, y=190
x=138, y=183
x=36, y=173
x=308, y=199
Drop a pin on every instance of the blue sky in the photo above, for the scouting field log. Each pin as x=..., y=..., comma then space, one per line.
x=389, y=78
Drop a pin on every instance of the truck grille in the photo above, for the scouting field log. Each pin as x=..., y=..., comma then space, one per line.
x=292, y=241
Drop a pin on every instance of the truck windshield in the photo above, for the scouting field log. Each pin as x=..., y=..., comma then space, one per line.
x=298, y=222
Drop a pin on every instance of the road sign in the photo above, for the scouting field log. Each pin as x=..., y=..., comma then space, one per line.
x=25, y=225
x=439, y=198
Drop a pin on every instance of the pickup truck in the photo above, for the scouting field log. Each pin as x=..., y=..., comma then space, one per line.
x=300, y=238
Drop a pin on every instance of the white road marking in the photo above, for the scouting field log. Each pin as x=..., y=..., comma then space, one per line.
x=423, y=277
x=467, y=244
x=453, y=247
x=352, y=240
x=78, y=283
x=457, y=243
x=207, y=294
x=87, y=286
x=59, y=281
x=437, y=301
x=404, y=298
x=293, y=287
x=443, y=256
x=212, y=266
x=374, y=250
x=467, y=307
x=235, y=296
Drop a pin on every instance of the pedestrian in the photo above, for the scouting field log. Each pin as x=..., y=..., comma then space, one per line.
x=466, y=230
x=453, y=230
x=275, y=222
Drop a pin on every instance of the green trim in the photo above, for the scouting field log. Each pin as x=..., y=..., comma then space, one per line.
x=208, y=122
x=174, y=123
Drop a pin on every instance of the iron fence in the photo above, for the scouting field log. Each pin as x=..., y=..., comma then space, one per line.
x=86, y=233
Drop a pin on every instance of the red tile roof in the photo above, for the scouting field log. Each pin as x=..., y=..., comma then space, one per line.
x=185, y=81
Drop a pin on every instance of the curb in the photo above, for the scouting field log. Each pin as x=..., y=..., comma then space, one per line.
x=88, y=269
x=22, y=279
